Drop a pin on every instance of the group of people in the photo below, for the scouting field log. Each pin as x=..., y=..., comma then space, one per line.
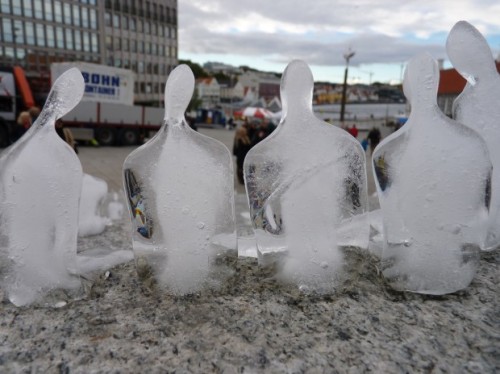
x=28, y=117
x=372, y=139
x=246, y=136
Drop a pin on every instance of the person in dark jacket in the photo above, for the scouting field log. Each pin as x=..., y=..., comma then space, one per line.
x=241, y=146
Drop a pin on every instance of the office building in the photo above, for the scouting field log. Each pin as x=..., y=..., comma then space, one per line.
x=140, y=35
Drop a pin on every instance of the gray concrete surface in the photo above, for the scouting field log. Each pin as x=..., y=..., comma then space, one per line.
x=250, y=323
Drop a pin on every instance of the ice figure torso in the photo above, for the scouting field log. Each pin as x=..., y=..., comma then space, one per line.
x=180, y=189
x=432, y=179
x=478, y=106
x=303, y=183
x=40, y=183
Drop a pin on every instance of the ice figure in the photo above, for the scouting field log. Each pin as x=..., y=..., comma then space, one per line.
x=433, y=177
x=90, y=221
x=180, y=195
x=40, y=182
x=478, y=106
x=304, y=183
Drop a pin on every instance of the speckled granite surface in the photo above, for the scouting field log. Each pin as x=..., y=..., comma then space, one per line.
x=251, y=324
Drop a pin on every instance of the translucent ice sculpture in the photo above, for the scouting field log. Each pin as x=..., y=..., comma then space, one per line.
x=40, y=182
x=478, y=106
x=304, y=182
x=180, y=191
x=433, y=178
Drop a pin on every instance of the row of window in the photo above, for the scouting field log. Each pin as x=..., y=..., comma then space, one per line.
x=146, y=9
x=132, y=45
x=139, y=67
x=19, y=32
x=53, y=11
x=39, y=60
x=139, y=25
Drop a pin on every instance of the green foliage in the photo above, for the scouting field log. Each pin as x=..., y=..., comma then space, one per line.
x=197, y=69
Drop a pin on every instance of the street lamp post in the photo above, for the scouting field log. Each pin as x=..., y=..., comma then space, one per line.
x=347, y=57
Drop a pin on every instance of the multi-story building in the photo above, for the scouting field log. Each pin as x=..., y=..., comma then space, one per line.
x=140, y=35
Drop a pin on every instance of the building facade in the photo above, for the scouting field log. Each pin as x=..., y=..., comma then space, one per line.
x=140, y=35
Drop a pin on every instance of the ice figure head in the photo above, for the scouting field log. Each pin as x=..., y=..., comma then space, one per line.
x=469, y=53
x=65, y=94
x=421, y=81
x=178, y=92
x=297, y=87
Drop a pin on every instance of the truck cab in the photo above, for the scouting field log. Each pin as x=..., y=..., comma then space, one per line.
x=15, y=96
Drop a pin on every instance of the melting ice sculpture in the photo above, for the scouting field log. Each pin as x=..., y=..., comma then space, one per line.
x=40, y=182
x=304, y=183
x=433, y=178
x=180, y=195
x=478, y=106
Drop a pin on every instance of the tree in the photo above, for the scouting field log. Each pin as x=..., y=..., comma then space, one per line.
x=197, y=69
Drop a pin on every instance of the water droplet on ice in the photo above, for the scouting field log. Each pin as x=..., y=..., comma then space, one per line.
x=200, y=225
x=324, y=265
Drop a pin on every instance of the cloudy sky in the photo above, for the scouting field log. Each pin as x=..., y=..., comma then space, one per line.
x=384, y=34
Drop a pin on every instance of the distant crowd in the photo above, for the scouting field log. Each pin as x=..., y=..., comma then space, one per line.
x=245, y=137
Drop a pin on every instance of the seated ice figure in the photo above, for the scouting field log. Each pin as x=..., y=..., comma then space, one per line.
x=180, y=195
x=433, y=178
x=40, y=182
x=478, y=106
x=304, y=182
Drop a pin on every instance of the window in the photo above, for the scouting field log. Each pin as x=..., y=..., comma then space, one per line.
x=49, y=29
x=9, y=53
x=40, y=35
x=140, y=67
x=7, y=30
x=30, y=33
x=38, y=9
x=86, y=42
x=117, y=44
x=172, y=33
x=139, y=25
x=18, y=32
x=125, y=45
x=133, y=46
x=125, y=22
x=126, y=64
x=67, y=14
x=17, y=7
x=93, y=19
x=147, y=27
x=76, y=15
x=132, y=24
x=107, y=19
x=69, y=39
x=94, y=41
x=154, y=28
x=140, y=47
x=148, y=88
x=154, y=49
x=85, y=17
x=28, y=9
x=58, y=11
x=59, y=37
x=116, y=20
x=147, y=49
x=78, y=41
x=5, y=7
x=49, y=16
x=160, y=30
x=118, y=62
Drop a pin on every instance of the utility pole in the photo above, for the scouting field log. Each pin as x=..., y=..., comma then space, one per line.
x=348, y=55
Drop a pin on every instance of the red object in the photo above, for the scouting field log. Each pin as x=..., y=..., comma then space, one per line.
x=24, y=87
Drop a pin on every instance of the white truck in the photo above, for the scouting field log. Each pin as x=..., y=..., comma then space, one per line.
x=106, y=112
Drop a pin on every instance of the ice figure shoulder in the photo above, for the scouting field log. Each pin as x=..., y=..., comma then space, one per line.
x=40, y=182
x=432, y=178
x=180, y=196
x=478, y=106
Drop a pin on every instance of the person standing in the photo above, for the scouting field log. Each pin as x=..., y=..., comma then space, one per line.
x=374, y=138
x=241, y=146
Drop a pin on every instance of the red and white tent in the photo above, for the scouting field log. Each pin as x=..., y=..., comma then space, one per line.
x=254, y=113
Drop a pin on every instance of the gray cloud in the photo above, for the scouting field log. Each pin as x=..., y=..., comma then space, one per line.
x=320, y=31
